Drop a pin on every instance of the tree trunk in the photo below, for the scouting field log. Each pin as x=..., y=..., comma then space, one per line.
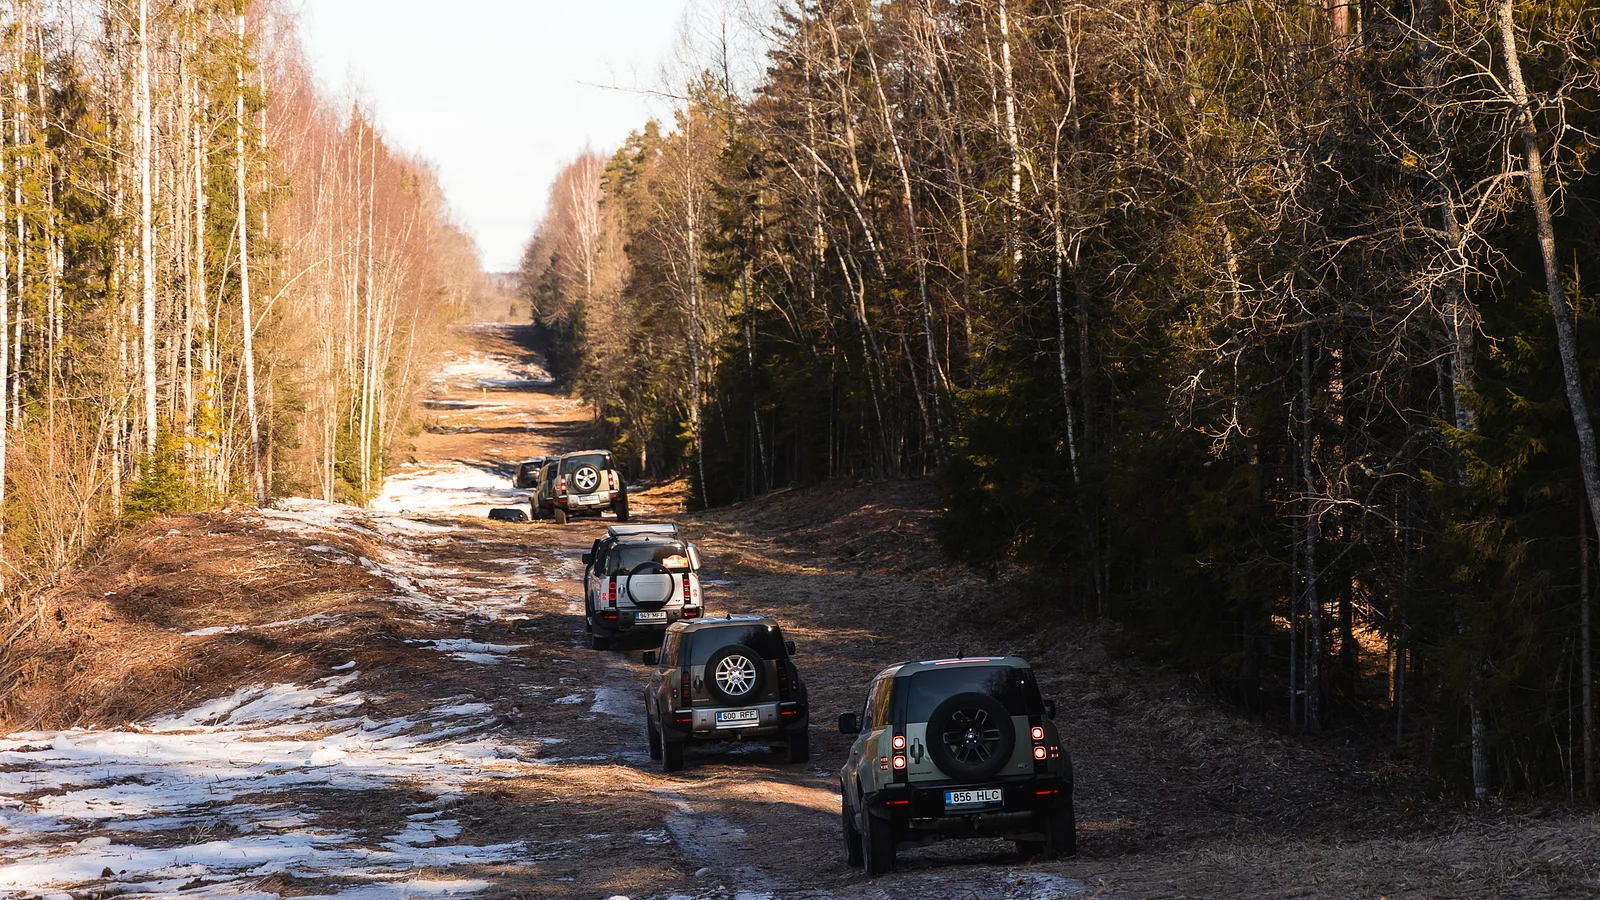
x=147, y=261
x=1555, y=292
x=248, y=323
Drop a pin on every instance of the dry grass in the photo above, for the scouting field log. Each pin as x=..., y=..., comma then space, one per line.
x=109, y=646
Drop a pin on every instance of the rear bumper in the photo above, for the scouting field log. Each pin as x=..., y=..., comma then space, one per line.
x=597, y=500
x=774, y=722
x=922, y=808
x=624, y=620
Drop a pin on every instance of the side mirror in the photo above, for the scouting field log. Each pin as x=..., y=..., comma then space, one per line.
x=789, y=646
x=1050, y=709
x=694, y=557
x=588, y=558
x=650, y=657
x=849, y=723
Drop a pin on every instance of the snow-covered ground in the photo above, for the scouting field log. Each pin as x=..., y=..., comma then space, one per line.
x=449, y=489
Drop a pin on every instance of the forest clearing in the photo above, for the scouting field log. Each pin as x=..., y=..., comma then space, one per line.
x=407, y=707
x=398, y=478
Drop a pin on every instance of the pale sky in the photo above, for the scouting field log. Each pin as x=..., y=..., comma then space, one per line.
x=494, y=92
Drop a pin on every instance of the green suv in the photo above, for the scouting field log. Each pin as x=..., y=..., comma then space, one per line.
x=727, y=679
x=955, y=748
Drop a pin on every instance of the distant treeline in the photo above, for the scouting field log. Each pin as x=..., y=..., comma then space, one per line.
x=1262, y=327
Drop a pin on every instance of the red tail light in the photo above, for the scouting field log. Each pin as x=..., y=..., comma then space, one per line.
x=691, y=613
x=561, y=483
x=899, y=742
x=611, y=479
x=683, y=680
x=1038, y=752
x=899, y=763
x=688, y=597
x=1038, y=733
x=611, y=592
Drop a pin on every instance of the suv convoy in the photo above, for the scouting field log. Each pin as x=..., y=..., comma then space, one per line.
x=955, y=748
x=728, y=679
x=583, y=483
x=639, y=578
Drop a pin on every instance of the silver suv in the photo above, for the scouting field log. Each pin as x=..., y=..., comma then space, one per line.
x=955, y=748
x=639, y=578
x=727, y=679
x=583, y=483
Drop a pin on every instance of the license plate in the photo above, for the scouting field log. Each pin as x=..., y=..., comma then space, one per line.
x=972, y=798
x=738, y=718
x=657, y=616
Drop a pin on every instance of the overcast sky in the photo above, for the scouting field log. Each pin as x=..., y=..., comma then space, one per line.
x=494, y=91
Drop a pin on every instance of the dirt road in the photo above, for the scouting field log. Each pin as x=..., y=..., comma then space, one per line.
x=449, y=733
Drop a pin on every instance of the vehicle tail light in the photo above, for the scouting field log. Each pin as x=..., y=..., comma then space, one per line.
x=611, y=479
x=688, y=597
x=683, y=718
x=899, y=763
x=683, y=681
x=611, y=592
x=899, y=742
x=691, y=612
x=783, y=679
x=1045, y=793
x=883, y=763
x=1038, y=752
x=1038, y=733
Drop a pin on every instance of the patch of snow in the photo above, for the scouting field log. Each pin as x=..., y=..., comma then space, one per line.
x=235, y=629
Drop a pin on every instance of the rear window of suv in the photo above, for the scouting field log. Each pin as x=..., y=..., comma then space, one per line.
x=1014, y=688
x=601, y=461
x=767, y=641
x=623, y=557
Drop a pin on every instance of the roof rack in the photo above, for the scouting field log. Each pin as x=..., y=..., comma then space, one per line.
x=666, y=529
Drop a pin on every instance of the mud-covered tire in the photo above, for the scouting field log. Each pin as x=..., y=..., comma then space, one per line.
x=877, y=845
x=725, y=662
x=535, y=512
x=655, y=738
x=970, y=736
x=671, y=754
x=852, y=837
x=799, y=748
x=620, y=507
x=600, y=641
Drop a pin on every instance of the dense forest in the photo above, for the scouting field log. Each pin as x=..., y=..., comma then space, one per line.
x=215, y=280
x=1264, y=328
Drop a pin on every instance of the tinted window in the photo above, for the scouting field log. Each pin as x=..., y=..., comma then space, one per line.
x=624, y=557
x=601, y=461
x=1012, y=687
x=767, y=641
x=669, y=649
x=879, y=702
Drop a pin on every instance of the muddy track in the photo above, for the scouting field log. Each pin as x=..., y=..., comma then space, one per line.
x=448, y=731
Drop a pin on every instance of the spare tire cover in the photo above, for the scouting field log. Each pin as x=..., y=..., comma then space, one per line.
x=971, y=736
x=650, y=586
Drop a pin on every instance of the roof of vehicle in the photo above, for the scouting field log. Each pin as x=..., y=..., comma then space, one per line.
x=533, y=461
x=660, y=529
x=692, y=625
x=913, y=667
x=583, y=453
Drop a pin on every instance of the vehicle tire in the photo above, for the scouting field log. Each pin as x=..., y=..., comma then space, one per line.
x=655, y=738
x=535, y=512
x=799, y=745
x=735, y=675
x=671, y=754
x=600, y=641
x=852, y=837
x=877, y=845
x=1061, y=832
x=560, y=515
x=620, y=507
x=970, y=736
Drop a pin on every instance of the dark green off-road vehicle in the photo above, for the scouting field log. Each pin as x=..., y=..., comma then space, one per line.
x=955, y=748
x=727, y=679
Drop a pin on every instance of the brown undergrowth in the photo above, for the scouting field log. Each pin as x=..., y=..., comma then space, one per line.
x=108, y=643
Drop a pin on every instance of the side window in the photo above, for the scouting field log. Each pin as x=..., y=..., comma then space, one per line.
x=878, y=699
x=669, y=650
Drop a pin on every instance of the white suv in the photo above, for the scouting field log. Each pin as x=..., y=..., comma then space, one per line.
x=639, y=578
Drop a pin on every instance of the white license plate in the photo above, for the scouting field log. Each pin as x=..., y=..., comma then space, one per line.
x=659, y=615
x=738, y=718
x=972, y=798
